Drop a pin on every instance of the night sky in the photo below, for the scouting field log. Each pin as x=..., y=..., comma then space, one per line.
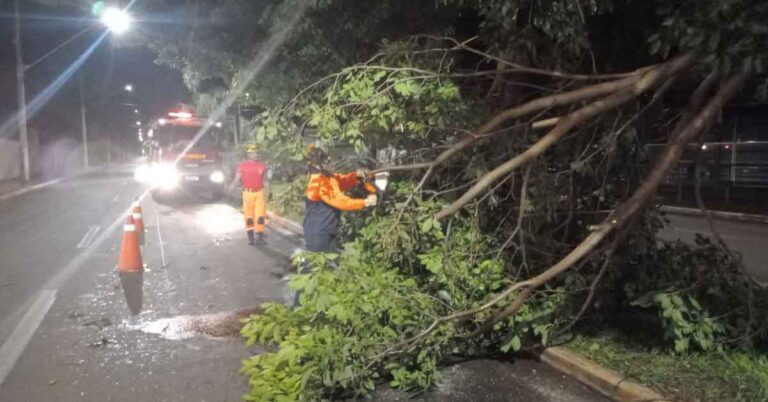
x=104, y=75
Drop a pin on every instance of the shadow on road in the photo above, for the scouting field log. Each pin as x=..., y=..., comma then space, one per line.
x=133, y=288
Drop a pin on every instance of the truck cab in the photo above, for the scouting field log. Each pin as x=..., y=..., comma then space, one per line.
x=184, y=155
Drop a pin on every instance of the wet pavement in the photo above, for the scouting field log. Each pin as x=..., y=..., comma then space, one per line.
x=81, y=332
x=748, y=239
x=90, y=347
x=499, y=381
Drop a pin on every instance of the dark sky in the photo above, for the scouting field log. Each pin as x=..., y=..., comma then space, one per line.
x=104, y=75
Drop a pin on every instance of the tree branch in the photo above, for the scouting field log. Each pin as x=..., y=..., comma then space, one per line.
x=618, y=218
x=516, y=112
x=638, y=200
x=648, y=81
x=530, y=70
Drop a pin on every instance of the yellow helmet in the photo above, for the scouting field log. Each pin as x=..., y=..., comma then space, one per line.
x=314, y=155
x=250, y=148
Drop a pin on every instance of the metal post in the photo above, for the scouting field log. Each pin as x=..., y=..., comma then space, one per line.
x=21, y=93
x=83, y=123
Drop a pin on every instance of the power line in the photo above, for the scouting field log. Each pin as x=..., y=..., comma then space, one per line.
x=54, y=50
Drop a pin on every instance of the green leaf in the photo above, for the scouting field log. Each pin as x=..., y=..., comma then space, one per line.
x=513, y=343
x=681, y=345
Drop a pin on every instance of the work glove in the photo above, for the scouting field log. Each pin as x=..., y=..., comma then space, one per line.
x=371, y=200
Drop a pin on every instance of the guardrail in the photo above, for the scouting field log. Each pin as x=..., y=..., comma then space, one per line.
x=734, y=164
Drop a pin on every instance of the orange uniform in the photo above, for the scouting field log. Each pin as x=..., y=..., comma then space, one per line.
x=254, y=203
x=326, y=199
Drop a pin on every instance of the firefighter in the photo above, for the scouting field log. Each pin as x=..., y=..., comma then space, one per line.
x=253, y=175
x=325, y=199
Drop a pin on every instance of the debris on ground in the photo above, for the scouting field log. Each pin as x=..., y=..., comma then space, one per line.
x=101, y=323
x=100, y=343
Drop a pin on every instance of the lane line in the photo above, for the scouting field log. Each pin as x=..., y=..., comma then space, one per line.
x=162, y=251
x=89, y=235
x=14, y=346
x=160, y=238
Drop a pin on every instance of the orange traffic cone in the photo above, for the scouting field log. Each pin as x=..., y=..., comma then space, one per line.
x=130, y=254
x=136, y=212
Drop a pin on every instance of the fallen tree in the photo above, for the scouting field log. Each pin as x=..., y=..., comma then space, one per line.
x=523, y=198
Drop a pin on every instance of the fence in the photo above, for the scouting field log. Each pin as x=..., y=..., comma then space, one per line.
x=729, y=164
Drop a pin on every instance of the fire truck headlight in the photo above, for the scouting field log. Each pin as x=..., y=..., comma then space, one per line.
x=165, y=176
x=217, y=177
x=142, y=174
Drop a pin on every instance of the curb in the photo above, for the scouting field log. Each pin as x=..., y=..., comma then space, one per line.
x=286, y=224
x=44, y=184
x=25, y=190
x=605, y=381
x=744, y=217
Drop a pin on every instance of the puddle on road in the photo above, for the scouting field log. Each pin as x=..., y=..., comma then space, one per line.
x=219, y=325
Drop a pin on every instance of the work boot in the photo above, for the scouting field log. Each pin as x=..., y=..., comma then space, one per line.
x=250, y=237
x=260, y=241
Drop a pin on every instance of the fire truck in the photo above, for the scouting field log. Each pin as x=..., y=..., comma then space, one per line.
x=184, y=155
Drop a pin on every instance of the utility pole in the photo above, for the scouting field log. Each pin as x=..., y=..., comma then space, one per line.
x=237, y=124
x=22, y=97
x=83, y=123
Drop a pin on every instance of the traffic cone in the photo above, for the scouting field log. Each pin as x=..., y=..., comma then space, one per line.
x=130, y=254
x=136, y=212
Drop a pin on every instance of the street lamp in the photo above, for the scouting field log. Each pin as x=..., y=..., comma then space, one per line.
x=116, y=20
x=129, y=88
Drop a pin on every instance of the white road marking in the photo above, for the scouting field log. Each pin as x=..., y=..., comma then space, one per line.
x=89, y=236
x=160, y=238
x=14, y=346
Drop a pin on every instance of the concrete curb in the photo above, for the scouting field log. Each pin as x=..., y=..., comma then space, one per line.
x=605, y=381
x=44, y=184
x=25, y=190
x=286, y=224
x=755, y=218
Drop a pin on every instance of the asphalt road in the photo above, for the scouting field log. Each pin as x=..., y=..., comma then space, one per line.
x=67, y=333
x=748, y=239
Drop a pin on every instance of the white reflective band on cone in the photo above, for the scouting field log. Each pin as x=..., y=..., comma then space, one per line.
x=129, y=228
x=136, y=215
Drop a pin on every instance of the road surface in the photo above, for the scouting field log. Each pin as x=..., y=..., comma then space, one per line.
x=748, y=239
x=67, y=333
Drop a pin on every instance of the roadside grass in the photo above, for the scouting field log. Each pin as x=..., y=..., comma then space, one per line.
x=287, y=201
x=702, y=377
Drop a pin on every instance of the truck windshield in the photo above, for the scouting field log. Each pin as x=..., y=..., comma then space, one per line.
x=174, y=136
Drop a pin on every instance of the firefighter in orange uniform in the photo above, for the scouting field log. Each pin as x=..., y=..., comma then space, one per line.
x=325, y=199
x=252, y=173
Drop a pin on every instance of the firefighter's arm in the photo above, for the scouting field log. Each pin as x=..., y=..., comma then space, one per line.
x=347, y=181
x=337, y=199
x=235, y=181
